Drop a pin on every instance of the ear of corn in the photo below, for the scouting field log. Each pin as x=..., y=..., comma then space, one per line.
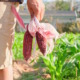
x=27, y=45
x=41, y=40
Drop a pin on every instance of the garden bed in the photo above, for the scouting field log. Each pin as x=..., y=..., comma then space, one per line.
x=66, y=50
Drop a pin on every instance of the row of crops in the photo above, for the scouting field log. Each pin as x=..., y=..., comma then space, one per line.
x=64, y=61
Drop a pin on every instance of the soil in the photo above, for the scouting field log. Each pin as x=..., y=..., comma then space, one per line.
x=35, y=68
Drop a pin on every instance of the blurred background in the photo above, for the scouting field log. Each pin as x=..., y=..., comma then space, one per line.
x=64, y=15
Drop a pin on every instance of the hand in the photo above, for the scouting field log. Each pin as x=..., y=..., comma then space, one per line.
x=36, y=8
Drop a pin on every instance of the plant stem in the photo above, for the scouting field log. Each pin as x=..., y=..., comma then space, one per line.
x=76, y=72
x=53, y=77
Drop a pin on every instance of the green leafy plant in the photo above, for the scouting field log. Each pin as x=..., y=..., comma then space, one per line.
x=64, y=57
x=18, y=46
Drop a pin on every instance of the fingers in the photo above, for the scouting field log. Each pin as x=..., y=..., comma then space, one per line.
x=39, y=11
x=31, y=12
x=30, y=9
x=42, y=12
x=36, y=9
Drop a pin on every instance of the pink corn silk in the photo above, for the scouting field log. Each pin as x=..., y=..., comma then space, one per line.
x=27, y=45
x=41, y=40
